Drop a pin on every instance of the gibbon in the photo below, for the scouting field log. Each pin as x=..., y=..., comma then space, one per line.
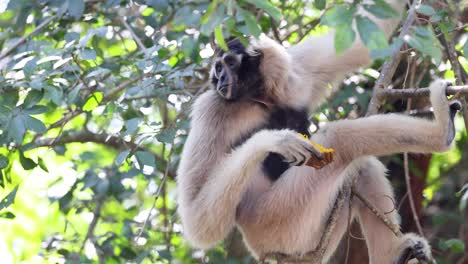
x=241, y=163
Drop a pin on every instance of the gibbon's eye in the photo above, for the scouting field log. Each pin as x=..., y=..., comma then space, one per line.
x=230, y=60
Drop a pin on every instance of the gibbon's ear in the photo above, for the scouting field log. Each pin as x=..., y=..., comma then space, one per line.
x=275, y=64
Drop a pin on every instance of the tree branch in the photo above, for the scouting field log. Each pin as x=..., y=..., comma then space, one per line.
x=132, y=32
x=110, y=95
x=394, y=228
x=389, y=67
x=104, y=139
x=24, y=38
x=418, y=92
x=92, y=225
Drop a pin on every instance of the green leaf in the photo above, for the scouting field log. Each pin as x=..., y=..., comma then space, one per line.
x=30, y=67
x=159, y=5
x=93, y=101
x=372, y=36
x=17, y=129
x=267, y=7
x=216, y=18
x=344, y=38
x=320, y=4
x=121, y=157
x=166, y=135
x=88, y=54
x=456, y=245
x=388, y=51
x=209, y=11
x=33, y=97
x=337, y=16
x=34, y=124
x=251, y=23
x=54, y=93
x=220, y=38
x=145, y=158
x=428, y=45
x=382, y=10
x=132, y=125
x=27, y=163
x=35, y=110
x=9, y=199
x=3, y=161
x=425, y=10
x=42, y=165
x=76, y=8
x=7, y=215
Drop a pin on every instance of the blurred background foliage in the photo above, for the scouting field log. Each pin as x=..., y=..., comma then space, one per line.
x=94, y=101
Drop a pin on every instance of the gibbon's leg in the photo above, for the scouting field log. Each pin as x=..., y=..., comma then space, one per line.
x=393, y=133
x=383, y=245
x=210, y=215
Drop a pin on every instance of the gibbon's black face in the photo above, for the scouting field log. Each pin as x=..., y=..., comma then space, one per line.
x=236, y=73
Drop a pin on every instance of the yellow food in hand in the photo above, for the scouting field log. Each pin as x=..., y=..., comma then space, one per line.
x=327, y=155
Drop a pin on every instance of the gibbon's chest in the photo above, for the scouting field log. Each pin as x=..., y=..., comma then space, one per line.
x=276, y=118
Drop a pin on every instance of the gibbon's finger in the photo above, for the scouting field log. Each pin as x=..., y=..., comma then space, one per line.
x=315, y=152
x=301, y=160
x=292, y=161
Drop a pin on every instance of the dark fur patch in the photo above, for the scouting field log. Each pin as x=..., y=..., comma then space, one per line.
x=280, y=118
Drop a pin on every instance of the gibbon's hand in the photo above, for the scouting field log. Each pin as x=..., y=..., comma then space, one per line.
x=295, y=149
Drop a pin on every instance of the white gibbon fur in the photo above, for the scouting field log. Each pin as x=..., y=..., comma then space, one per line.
x=220, y=187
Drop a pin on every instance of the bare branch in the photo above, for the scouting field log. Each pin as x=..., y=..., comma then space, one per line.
x=389, y=67
x=92, y=225
x=419, y=92
x=156, y=195
x=103, y=138
x=393, y=227
x=132, y=32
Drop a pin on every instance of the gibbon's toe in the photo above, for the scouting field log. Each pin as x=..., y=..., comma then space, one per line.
x=455, y=105
x=415, y=250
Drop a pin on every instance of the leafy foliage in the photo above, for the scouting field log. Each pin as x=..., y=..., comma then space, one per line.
x=94, y=101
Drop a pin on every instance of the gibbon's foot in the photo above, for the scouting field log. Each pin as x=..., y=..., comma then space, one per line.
x=415, y=250
x=295, y=149
x=455, y=106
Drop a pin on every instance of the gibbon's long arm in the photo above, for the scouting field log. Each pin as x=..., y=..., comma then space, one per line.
x=394, y=133
x=210, y=214
x=316, y=62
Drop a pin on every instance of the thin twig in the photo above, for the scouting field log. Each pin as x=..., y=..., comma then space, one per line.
x=109, y=95
x=459, y=71
x=393, y=227
x=389, y=67
x=156, y=195
x=132, y=32
x=92, y=225
x=24, y=38
x=410, y=194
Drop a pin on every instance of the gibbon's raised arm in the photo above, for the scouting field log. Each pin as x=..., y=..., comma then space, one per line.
x=394, y=133
x=316, y=62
